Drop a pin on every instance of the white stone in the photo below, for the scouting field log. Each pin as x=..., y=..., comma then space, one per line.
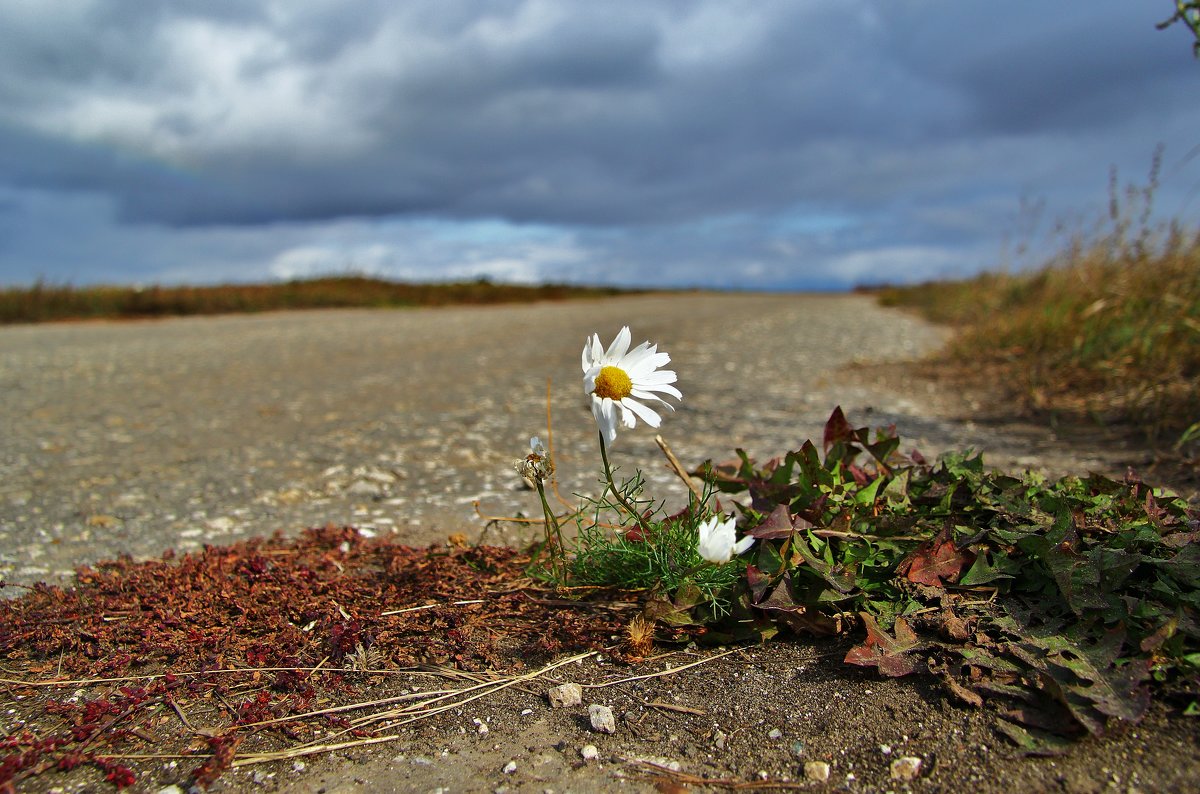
x=565, y=695
x=658, y=761
x=816, y=771
x=589, y=752
x=906, y=768
x=775, y=734
x=509, y=768
x=602, y=718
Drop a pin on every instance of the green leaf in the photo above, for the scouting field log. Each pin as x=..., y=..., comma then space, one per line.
x=985, y=570
x=1184, y=567
x=841, y=580
x=1032, y=741
x=867, y=496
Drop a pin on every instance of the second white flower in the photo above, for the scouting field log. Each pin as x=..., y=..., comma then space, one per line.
x=718, y=541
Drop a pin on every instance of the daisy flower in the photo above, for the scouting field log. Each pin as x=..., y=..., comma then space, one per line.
x=718, y=540
x=626, y=379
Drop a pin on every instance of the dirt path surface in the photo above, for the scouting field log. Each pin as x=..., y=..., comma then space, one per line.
x=136, y=437
x=139, y=437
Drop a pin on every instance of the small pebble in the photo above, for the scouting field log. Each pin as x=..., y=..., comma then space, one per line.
x=589, y=752
x=659, y=761
x=906, y=768
x=775, y=734
x=720, y=739
x=565, y=695
x=298, y=766
x=816, y=771
x=509, y=768
x=602, y=719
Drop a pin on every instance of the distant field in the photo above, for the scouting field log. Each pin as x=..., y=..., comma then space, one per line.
x=46, y=303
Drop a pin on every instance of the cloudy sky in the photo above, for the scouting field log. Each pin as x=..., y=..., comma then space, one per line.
x=726, y=143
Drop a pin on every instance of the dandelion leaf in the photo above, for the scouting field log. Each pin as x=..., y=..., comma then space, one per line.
x=935, y=563
x=891, y=655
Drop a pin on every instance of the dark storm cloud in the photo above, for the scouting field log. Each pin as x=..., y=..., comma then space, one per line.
x=698, y=136
x=1030, y=67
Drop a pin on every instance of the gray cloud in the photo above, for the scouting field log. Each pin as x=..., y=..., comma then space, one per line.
x=755, y=143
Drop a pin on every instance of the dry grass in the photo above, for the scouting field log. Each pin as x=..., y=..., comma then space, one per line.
x=1109, y=329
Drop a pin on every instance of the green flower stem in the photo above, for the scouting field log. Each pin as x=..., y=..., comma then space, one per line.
x=553, y=542
x=612, y=486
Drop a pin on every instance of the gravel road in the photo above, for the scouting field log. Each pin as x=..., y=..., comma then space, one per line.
x=136, y=437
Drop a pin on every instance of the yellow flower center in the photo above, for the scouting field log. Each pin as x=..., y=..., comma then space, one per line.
x=614, y=383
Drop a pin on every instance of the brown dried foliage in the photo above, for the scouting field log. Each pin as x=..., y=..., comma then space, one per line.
x=274, y=608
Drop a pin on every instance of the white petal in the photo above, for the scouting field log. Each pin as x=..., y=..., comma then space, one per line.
x=627, y=417
x=638, y=354
x=658, y=376
x=645, y=414
x=648, y=364
x=589, y=380
x=592, y=352
x=619, y=345
x=647, y=392
x=606, y=417
x=742, y=545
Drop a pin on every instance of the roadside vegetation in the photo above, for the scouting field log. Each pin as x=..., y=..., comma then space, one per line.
x=1107, y=329
x=44, y=302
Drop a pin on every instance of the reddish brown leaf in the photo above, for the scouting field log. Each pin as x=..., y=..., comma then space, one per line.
x=935, y=563
x=890, y=655
x=777, y=525
x=968, y=696
x=836, y=429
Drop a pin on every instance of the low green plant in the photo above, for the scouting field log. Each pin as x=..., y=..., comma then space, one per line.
x=1079, y=594
x=1072, y=600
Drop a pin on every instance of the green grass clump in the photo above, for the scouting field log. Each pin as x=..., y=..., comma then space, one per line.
x=1110, y=328
x=657, y=555
x=44, y=303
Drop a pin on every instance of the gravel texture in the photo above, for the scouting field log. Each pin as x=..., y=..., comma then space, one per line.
x=135, y=437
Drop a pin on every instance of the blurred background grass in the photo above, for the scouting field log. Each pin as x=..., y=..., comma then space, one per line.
x=1108, y=327
x=43, y=302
